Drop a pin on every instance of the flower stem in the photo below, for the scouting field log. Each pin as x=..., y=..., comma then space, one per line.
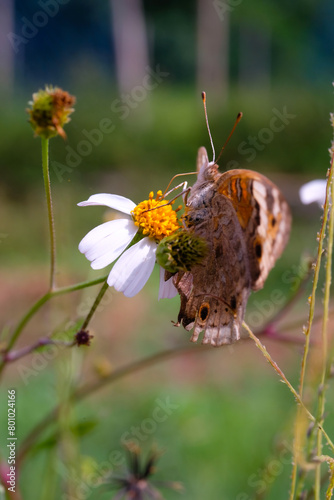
x=98, y=299
x=324, y=333
x=40, y=302
x=309, y=325
x=314, y=287
x=22, y=324
x=47, y=187
x=286, y=381
x=78, y=286
x=43, y=341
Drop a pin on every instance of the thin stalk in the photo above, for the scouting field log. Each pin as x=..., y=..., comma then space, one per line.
x=40, y=302
x=324, y=338
x=47, y=187
x=20, y=327
x=288, y=383
x=20, y=353
x=312, y=299
x=78, y=286
x=315, y=284
x=98, y=299
x=309, y=325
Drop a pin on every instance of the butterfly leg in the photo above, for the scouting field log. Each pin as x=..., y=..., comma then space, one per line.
x=184, y=186
x=184, y=193
x=170, y=182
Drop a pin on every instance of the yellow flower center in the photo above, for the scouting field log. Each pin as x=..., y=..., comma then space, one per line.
x=155, y=218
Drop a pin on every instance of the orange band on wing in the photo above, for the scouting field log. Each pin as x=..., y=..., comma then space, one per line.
x=239, y=191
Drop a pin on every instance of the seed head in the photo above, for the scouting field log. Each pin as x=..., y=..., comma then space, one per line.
x=83, y=337
x=181, y=251
x=49, y=111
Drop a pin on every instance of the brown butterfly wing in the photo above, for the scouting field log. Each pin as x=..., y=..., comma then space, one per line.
x=214, y=294
x=264, y=217
x=246, y=222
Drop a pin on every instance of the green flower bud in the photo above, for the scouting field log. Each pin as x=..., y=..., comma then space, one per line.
x=181, y=251
x=49, y=112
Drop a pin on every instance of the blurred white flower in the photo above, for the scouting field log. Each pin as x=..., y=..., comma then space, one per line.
x=108, y=241
x=313, y=191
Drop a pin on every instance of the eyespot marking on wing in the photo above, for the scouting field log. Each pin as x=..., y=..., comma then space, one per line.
x=204, y=311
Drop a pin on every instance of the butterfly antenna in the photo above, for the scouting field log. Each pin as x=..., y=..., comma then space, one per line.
x=207, y=125
x=231, y=133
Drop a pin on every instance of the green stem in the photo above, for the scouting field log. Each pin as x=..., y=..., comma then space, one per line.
x=309, y=325
x=21, y=325
x=98, y=299
x=324, y=336
x=314, y=287
x=47, y=187
x=312, y=302
x=78, y=286
x=40, y=302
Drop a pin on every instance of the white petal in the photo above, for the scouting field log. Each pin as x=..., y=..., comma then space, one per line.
x=313, y=191
x=103, y=244
x=167, y=289
x=110, y=200
x=133, y=268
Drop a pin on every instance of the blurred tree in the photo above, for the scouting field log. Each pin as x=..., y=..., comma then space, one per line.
x=130, y=38
x=254, y=57
x=212, y=48
x=172, y=38
x=6, y=49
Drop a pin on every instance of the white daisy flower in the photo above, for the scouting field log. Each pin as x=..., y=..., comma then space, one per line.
x=313, y=191
x=109, y=241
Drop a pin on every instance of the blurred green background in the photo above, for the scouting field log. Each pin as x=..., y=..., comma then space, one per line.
x=230, y=432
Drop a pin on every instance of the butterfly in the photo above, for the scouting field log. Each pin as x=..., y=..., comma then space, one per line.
x=246, y=223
